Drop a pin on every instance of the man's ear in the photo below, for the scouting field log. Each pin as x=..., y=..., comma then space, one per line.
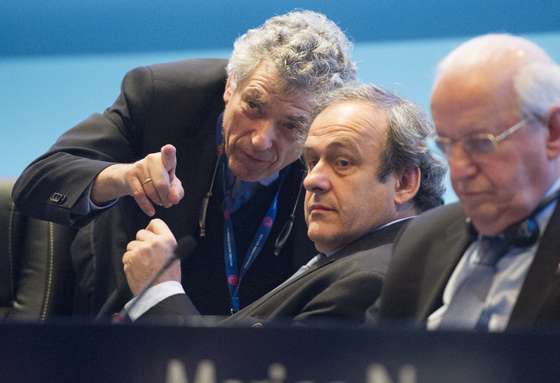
x=407, y=185
x=553, y=126
x=228, y=92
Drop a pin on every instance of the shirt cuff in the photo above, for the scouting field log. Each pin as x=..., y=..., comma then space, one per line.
x=153, y=296
x=93, y=206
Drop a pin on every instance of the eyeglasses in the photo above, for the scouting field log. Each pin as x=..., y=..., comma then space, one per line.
x=479, y=143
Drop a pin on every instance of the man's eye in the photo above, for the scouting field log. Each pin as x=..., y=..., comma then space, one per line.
x=292, y=125
x=479, y=145
x=252, y=105
x=342, y=163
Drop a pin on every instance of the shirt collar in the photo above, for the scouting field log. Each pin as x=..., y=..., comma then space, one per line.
x=328, y=254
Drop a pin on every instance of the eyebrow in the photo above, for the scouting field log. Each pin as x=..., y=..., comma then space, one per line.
x=254, y=94
x=339, y=144
x=298, y=119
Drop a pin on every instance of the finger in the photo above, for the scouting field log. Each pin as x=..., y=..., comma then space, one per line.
x=140, y=197
x=158, y=188
x=176, y=191
x=169, y=159
x=158, y=227
x=150, y=190
x=132, y=245
x=126, y=258
x=144, y=235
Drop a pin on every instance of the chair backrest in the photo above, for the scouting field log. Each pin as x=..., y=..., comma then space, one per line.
x=36, y=277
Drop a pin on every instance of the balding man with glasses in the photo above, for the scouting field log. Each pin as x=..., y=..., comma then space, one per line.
x=492, y=261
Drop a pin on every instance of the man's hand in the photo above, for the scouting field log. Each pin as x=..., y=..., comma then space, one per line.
x=151, y=180
x=145, y=256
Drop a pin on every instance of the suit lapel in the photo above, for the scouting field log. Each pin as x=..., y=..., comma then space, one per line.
x=445, y=254
x=540, y=294
x=369, y=241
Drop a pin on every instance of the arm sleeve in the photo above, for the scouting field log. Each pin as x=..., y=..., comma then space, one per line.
x=55, y=185
x=175, y=309
x=153, y=296
x=347, y=298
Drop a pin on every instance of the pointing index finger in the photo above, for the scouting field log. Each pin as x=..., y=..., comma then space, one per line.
x=169, y=159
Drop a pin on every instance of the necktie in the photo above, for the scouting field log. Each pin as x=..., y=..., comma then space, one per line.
x=465, y=308
x=242, y=191
x=306, y=267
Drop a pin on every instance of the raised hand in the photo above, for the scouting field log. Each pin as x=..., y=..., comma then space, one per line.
x=150, y=181
x=146, y=255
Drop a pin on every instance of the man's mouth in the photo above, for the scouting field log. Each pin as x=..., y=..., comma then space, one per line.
x=319, y=207
x=264, y=158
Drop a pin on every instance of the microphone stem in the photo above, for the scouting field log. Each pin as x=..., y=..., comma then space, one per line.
x=123, y=314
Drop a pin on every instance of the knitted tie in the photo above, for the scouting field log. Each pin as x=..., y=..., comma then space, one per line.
x=466, y=306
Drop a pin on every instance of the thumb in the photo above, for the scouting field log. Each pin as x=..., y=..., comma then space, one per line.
x=169, y=159
x=176, y=191
x=157, y=226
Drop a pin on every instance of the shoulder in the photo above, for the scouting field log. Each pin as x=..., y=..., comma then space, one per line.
x=435, y=221
x=372, y=252
x=190, y=72
x=370, y=263
x=430, y=235
x=186, y=74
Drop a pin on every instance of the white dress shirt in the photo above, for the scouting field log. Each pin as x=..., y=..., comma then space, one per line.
x=511, y=271
x=162, y=291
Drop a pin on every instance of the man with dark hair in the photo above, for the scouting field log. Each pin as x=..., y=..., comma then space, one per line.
x=229, y=133
x=491, y=261
x=357, y=198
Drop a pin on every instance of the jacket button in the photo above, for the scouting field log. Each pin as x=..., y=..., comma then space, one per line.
x=57, y=198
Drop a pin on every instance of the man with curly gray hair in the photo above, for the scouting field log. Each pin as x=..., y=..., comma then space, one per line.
x=357, y=199
x=231, y=138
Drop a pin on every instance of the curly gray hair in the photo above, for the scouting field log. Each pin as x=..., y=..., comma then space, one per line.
x=406, y=145
x=309, y=51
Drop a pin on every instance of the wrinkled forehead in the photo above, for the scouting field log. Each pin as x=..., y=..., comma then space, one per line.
x=464, y=103
x=350, y=124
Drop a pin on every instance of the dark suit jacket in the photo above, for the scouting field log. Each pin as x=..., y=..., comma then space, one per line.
x=425, y=256
x=176, y=103
x=341, y=286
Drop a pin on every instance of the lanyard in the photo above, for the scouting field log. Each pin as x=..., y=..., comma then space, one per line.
x=233, y=274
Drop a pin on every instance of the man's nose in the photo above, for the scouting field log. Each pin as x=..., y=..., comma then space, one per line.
x=461, y=164
x=317, y=179
x=264, y=135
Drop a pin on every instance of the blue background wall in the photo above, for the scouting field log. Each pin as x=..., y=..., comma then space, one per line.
x=62, y=60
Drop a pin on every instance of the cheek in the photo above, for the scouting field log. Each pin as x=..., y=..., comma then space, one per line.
x=289, y=151
x=305, y=207
x=226, y=125
x=501, y=178
x=372, y=205
x=231, y=131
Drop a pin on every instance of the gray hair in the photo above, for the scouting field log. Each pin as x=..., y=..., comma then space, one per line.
x=491, y=48
x=538, y=88
x=534, y=75
x=406, y=145
x=310, y=52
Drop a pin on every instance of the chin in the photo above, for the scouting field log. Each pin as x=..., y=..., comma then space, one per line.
x=246, y=172
x=489, y=225
x=324, y=243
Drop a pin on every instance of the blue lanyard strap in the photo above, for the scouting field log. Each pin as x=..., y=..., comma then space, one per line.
x=233, y=274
